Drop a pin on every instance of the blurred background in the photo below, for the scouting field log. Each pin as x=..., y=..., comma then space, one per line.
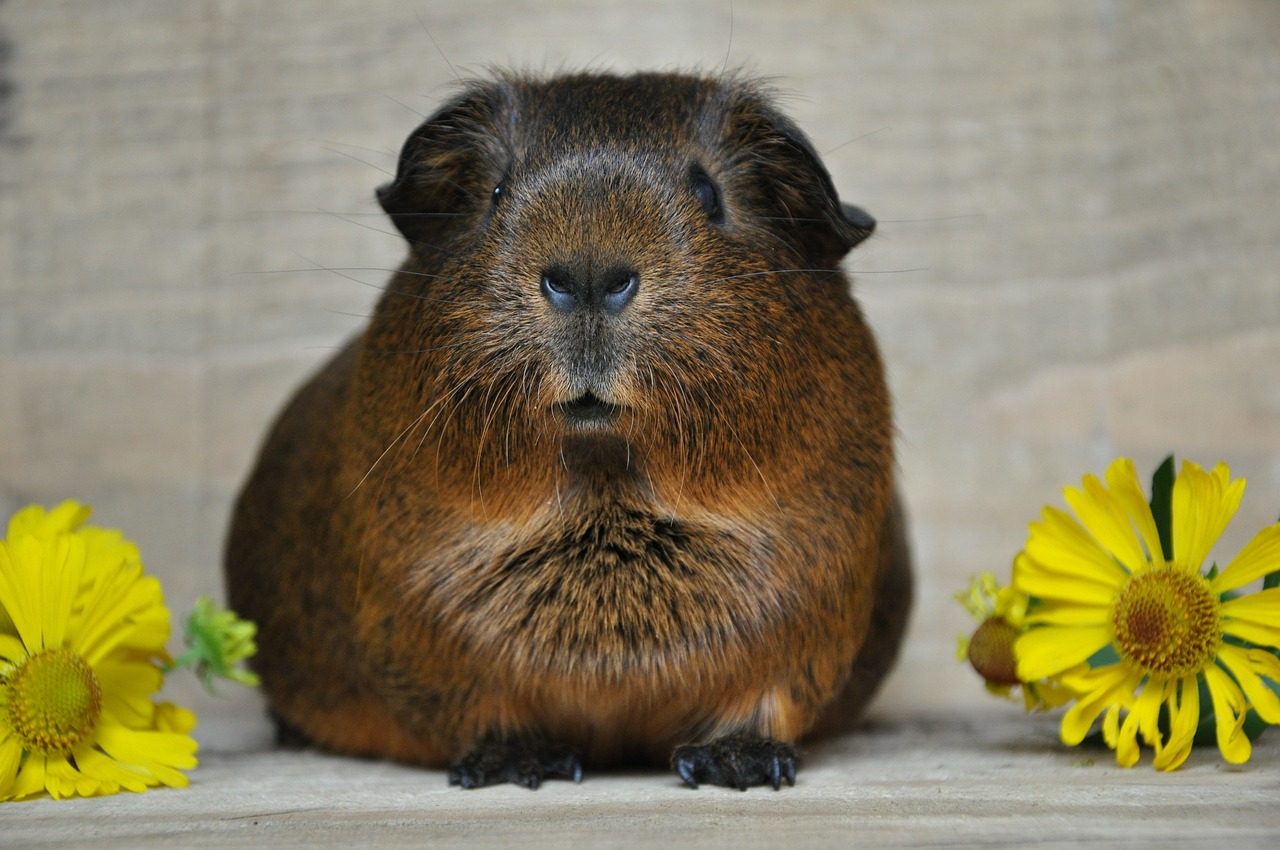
x=1077, y=257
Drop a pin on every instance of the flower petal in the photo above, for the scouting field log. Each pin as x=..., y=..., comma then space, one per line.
x=1099, y=690
x=1183, y=701
x=1147, y=710
x=120, y=612
x=35, y=520
x=1229, y=712
x=64, y=568
x=63, y=779
x=1069, y=615
x=1203, y=504
x=1262, y=635
x=106, y=770
x=1255, y=617
x=17, y=594
x=1262, y=606
x=1107, y=521
x=1111, y=726
x=1059, y=543
x=161, y=754
x=1049, y=586
x=1126, y=745
x=1258, y=558
x=11, y=649
x=174, y=718
x=30, y=779
x=1246, y=666
x=1044, y=651
x=127, y=688
x=10, y=757
x=1122, y=478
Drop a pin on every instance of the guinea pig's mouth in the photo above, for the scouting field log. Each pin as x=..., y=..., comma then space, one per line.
x=588, y=409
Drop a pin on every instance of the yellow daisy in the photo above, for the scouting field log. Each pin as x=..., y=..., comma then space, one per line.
x=1102, y=581
x=79, y=645
x=1001, y=615
x=105, y=549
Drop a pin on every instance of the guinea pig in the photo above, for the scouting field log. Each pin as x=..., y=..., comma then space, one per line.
x=608, y=478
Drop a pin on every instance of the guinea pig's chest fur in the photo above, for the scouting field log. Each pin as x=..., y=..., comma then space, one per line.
x=613, y=594
x=598, y=605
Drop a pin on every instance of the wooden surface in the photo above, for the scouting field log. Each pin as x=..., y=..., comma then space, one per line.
x=986, y=779
x=1077, y=259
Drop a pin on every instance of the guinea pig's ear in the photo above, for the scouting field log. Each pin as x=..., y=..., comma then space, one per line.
x=828, y=228
x=442, y=175
x=799, y=184
x=863, y=223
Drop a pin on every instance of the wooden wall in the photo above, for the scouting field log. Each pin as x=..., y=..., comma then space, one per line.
x=1078, y=253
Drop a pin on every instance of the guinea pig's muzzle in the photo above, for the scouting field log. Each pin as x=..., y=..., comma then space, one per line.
x=589, y=317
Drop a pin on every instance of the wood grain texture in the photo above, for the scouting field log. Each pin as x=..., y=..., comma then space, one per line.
x=963, y=782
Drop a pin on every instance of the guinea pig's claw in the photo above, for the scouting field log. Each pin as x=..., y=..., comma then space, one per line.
x=519, y=763
x=737, y=761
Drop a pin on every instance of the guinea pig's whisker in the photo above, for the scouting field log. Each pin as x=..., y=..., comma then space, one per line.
x=353, y=157
x=675, y=393
x=525, y=394
x=404, y=352
x=399, y=437
x=487, y=406
x=497, y=398
x=392, y=233
x=389, y=153
x=645, y=421
x=767, y=273
x=341, y=271
x=728, y=423
x=438, y=405
x=787, y=218
x=423, y=214
x=471, y=384
x=399, y=102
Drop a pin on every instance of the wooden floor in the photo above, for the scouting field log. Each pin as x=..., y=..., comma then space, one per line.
x=971, y=781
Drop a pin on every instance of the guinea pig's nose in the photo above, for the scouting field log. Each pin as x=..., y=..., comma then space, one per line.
x=611, y=290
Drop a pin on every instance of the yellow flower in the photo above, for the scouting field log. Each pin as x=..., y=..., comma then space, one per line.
x=1001, y=615
x=1102, y=582
x=79, y=646
x=105, y=549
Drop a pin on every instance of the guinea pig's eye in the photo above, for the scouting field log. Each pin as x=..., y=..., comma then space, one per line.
x=707, y=193
x=499, y=192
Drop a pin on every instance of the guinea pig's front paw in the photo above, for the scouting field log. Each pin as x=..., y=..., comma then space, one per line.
x=510, y=760
x=737, y=761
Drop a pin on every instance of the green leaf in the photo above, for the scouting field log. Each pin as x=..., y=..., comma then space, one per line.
x=1162, y=505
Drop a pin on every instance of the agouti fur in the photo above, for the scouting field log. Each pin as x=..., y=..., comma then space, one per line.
x=609, y=475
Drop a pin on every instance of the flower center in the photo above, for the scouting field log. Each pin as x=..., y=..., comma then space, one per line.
x=55, y=701
x=991, y=652
x=1167, y=621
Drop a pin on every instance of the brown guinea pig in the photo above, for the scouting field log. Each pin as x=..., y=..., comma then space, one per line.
x=609, y=476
